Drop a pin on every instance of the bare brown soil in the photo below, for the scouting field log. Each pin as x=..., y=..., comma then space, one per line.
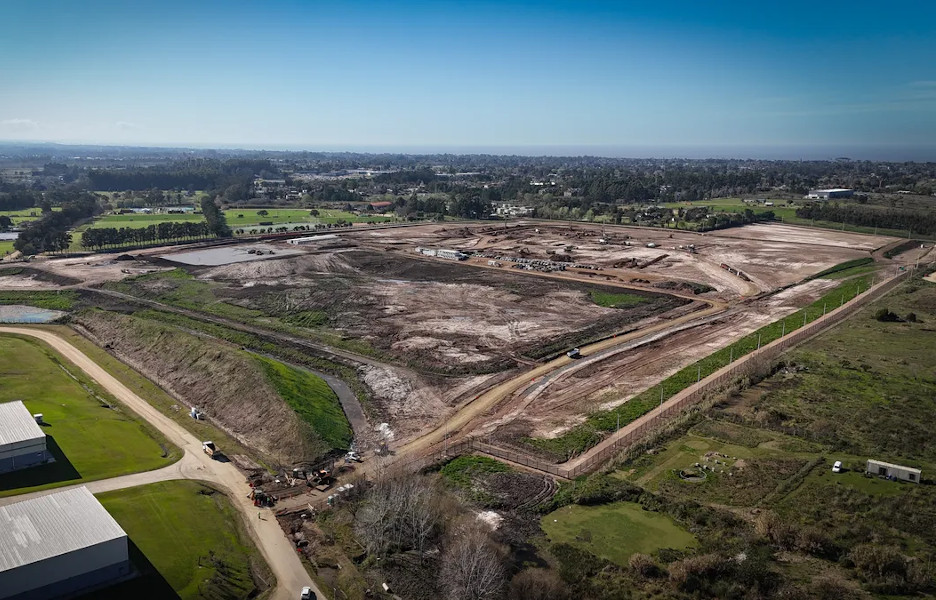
x=772, y=256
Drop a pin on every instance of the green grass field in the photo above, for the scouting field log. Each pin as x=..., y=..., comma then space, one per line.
x=89, y=439
x=6, y=247
x=192, y=535
x=615, y=531
x=860, y=390
x=142, y=220
x=25, y=215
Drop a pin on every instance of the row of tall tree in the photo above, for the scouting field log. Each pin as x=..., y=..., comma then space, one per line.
x=915, y=221
x=197, y=174
x=112, y=237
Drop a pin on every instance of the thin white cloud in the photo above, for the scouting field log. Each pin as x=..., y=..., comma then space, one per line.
x=127, y=126
x=923, y=84
x=18, y=125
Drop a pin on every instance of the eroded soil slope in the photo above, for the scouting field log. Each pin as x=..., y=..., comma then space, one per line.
x=228, y=384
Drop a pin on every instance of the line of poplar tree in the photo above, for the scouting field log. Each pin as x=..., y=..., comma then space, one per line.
x=112, y=237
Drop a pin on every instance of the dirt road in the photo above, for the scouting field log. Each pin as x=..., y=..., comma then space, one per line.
x=456, y=425
x=276, y=549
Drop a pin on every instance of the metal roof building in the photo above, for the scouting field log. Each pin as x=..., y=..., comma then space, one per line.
x=59, y=544
x=22, y=441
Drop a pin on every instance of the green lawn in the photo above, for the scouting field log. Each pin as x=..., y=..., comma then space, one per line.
x=6, y=247
x=25, y=215
x=192, y=535
x=89, y=439
x=615, y=531
x=243, y=217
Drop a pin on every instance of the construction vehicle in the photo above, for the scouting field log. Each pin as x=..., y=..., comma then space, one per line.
x=321, y=479
x=210, y=449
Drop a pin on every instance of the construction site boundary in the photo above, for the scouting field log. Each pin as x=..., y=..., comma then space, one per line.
x=674, y=407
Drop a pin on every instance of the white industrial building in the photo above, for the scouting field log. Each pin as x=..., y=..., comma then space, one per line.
x=890, y=470
x=312, y=239
x=830, y=193
x=22, y=441
x=59, y=544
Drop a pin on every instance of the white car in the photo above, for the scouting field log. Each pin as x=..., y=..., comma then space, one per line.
x=837, y=467
x=307, y=594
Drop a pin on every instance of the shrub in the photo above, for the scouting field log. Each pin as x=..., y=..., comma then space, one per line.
x=644, y=565
x=886, y=316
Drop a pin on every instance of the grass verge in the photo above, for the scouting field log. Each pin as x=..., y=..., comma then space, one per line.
x=192, y=535
x=90, y=434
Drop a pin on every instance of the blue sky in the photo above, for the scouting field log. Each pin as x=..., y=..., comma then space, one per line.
x=643, y=78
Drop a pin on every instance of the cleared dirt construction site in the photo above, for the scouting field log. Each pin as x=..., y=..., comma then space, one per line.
x=428, y=335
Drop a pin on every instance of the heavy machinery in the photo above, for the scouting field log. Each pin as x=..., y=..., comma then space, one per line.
x=210, y=449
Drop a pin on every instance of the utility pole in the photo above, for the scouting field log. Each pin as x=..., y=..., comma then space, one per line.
x=730, y=355
x=783, y=328
x=661, y=397
x=758, y=340
x=698, y=373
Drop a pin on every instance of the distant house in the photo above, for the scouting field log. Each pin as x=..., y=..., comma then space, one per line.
x=830, y=193
x=885, y=469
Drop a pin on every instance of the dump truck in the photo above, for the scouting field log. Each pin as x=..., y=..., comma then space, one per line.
x=210, y=449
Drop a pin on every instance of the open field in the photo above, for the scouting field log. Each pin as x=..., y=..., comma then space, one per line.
x=90, y=435
x=615, y=531
x=6, y=247
x=861, y=390
x=193, y=537
x=239, y=217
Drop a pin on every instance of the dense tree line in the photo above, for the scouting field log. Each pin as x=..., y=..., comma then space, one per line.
x=916, y=221
x=19, y=200
x=50, y=232
x=214, y=217
x=423, y=175
x=110, y=237
x=200, y=174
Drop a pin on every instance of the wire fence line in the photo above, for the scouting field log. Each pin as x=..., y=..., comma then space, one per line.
x=654, y=420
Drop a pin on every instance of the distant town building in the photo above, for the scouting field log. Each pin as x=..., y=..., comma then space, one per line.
x=22, y=441
x=61, y=544
x=885, y=469
x=509, y=210
x=830, y=193
x=381, y=205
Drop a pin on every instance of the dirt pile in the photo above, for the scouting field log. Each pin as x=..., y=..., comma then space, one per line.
x=227, y=384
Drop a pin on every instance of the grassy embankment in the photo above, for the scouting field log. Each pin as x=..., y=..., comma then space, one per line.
x=90, y=434
x=312, y=399
x=857, y=391
x=213, y=375
x=193, y=537
x=612, y=300
x=600, y=423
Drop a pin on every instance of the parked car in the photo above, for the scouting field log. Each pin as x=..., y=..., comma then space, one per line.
x=307, y=594
x=837, y=467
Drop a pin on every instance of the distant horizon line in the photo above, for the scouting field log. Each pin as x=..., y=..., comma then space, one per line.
x=790, y=152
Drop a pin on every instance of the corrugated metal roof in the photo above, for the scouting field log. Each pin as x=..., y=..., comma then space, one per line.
x=881, y=463
x=47, y=526
x=17, y=424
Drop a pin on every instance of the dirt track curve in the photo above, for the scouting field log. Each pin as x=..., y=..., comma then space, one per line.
x=291, y=576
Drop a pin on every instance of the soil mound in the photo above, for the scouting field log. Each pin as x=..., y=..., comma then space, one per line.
x=226, y=383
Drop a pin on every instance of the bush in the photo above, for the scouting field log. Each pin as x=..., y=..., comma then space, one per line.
x=644, y=566
x=911, y=318
x=886, y=316
x=538, y=584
